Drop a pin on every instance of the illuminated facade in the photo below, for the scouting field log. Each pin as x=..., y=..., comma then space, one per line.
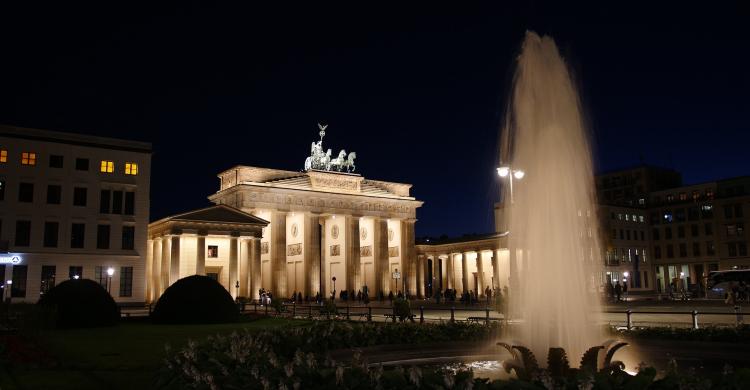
x=72, y=206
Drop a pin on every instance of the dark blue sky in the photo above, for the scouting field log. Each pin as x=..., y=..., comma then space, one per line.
x=417, y=91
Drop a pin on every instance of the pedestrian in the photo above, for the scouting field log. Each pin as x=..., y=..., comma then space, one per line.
x=625, y=290
x=299, y=297
x=618, y=291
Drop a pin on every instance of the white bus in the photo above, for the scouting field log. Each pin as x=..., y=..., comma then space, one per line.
x=720, y=283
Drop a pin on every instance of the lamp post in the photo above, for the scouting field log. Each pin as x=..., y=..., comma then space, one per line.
x=510, y=173
x=8, y=285
x=237, y=286
x=110, y=272
x=334, y=288
x=625, y=281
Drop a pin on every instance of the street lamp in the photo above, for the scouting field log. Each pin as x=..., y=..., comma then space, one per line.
x=8, y=284
x=625, y=281
x=110, y=272
x=237, y=286
x=334, y=288
x=510, y=173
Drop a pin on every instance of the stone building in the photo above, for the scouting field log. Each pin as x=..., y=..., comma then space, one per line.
x=72, y=206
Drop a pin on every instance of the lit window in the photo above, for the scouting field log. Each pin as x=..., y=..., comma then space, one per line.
x=627, y=217
x=107, y=167
x=28, y=158
x=640, y=218
x=3, y=156
x=131, y=168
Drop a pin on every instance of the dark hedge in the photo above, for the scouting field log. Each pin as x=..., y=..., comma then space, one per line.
x=195, y=300
x=80, y=303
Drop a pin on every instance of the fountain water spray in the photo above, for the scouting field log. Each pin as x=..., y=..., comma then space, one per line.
x=554, y=237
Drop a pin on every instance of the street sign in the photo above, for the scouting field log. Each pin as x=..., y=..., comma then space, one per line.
x=397, y=275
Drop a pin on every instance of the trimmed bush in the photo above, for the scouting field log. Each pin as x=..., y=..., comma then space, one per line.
x=195, y=300
x=80, y=303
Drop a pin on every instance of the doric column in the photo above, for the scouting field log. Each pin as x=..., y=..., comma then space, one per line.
x=421, y=265
x=155, y=280
x=278, y=254
x=244, y=267
x=165, y=256
x=174, y=261
x=465, y=271
x=495, y=269
x=480, y=274
x=409, y=255
x=255, y=268
x=149, y=269
x=353, y=266
x=312, y=254
x=449, y=272
x=437, y=283
x=380, y=256
x=233, y=279
x=200, y=254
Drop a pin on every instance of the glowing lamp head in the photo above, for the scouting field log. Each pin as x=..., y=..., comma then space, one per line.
x=8, y=282
x=519, y=174
x=503, y=171
x=682, y=274
x=626, y=274
x=76, y=277
x=110, y=271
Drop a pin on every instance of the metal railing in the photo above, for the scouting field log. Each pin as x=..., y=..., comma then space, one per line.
x=694, y=315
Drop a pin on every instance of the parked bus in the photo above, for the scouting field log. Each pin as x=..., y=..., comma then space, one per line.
x=720, y=283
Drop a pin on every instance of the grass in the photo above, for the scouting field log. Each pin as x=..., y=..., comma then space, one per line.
x=121, y=357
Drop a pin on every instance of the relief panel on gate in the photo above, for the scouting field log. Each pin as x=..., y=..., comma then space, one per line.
x=365, y=251
x=392, y=251
x=335, y=250
x=293, y=249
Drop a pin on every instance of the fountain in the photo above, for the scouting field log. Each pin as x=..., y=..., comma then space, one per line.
x=554, y=243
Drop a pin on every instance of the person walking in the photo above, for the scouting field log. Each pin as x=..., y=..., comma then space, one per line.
x=625, y=290
x=618, y=292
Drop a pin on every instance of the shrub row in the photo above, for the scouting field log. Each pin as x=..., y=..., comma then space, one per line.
x=740, y=334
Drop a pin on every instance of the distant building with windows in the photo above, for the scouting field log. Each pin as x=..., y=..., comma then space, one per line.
x=72, y=206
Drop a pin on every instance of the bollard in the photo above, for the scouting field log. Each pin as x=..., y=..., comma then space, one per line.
x=369, y=314
x=738, y=315
x=347, y=313
x=453, y=309
x=394, y=314
x=487, y=316
x=294, y=309
x=266, y=306
x=630, y=319
x=695, y=319
x=309, y=311
x=421, y=314
x=255, y=307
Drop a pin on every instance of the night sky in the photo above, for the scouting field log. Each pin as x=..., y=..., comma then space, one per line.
x=417, y=92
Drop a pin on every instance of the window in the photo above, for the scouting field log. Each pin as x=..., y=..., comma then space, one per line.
x=116, y=202
x=710, y=248
x=627, y=234
x=640, y=219
x=655, y=233
x=2, y=189
x=28, y=158
x=696, y=249
x=104, y=196
x=681, y=231
x=642, y=201
x=619, y=216
x=75, y=272
x=213, y=251
x=100, y=275
x=694, y=230
x=26, y=192
x=18, y=288
x=622, y=234
x=693, y=213
x=657, y=252
x=50, y=234
x=670, y=198
x=55, y=161
x=627, y=217
x=740, y=229
x=709, y=229
x=707, y=211
x=102, y=236
x=742, y=248
x=643, y=235
x=670, y=251
x=129, y=203
x=612, y=215
x=667, y=233
x=727, y=211
x=79, y=196
x=23, y=233
x=732, y=249
x=668, y=216
x=131, y=168
x=48, y=279
x=126, y=281
x=614, y=234
x=82, y=164
x=683, y=196
x=54, y=193
x=3, y=156
x=128, y=237
x=679, y=215
x=738, y=210
x=77, y=235
x=731, y=230
x=683, y=250
x=107, y=166
x=709, y=193
x=696, y=195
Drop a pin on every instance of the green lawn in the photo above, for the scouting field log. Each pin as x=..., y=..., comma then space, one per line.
x=121, y=357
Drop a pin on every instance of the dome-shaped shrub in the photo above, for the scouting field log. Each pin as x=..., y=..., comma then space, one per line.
x=81, y=303
x=195, y=300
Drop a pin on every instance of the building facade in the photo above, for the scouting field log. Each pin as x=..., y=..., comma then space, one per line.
x=72, y=206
